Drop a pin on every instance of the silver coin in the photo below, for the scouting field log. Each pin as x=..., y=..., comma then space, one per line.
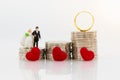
x=83, y=39
x=64, y=46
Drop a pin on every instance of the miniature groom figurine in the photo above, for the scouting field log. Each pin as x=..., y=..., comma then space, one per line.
x=36, y=36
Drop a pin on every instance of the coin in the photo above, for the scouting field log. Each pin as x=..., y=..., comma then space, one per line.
x=23, y=52
x=64, y=46
x=83, y=39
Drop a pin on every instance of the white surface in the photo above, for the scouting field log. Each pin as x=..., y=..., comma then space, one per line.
x=54, y=16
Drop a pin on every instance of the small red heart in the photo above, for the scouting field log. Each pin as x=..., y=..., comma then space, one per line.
x=35, y=50
x=58, y=54
x=86, y=54
x=33, y=55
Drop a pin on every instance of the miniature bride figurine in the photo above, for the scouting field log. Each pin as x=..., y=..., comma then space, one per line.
x=27, y=41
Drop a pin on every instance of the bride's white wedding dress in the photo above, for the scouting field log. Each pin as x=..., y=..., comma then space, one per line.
x=27, y=41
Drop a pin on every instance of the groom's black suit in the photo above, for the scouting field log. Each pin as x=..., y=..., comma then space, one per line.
x=36, y=35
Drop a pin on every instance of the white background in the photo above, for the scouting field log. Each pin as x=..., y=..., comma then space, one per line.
x=55, y=20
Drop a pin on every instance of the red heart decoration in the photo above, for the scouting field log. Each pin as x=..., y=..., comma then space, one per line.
x=58, y=54
x=35, y=50
x=86, y=54
x=34, y=54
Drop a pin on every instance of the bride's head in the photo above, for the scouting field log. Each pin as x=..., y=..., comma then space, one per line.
x=30, y=30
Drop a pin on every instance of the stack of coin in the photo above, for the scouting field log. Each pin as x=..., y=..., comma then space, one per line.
x=42, y=53
x=83, y=39
x=64, y=46
x=23, y=52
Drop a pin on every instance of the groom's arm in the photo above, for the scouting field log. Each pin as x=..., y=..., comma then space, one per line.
x=39, y=35
x=33, y=33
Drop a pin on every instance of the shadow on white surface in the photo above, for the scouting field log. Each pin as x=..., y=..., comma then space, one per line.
x=51, y=70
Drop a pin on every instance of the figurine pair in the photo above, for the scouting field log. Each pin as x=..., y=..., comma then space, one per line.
x=31, y=39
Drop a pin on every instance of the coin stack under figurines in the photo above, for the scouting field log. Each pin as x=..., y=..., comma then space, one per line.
x=64, y=46
x=83, y=39
x=23, y=52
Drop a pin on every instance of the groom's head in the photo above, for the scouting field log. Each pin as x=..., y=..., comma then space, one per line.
x=36, y=28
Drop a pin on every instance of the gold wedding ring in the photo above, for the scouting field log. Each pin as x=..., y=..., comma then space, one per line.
x=78, y=27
